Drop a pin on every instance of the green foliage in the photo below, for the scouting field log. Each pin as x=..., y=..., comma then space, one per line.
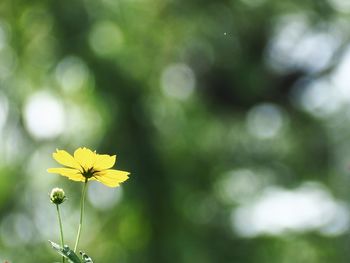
x=177, y=90
x=66, y=252
x=85, y=258
x=70, y=254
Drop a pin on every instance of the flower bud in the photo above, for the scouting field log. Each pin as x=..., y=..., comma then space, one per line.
x=57, y=196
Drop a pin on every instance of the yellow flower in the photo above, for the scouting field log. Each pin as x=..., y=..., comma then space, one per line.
x=88, y=165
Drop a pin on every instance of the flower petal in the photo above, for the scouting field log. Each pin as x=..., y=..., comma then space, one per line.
x=85, y=157
x=64, y=158
x=104, y=161
x=72, y=174
x=112, y=178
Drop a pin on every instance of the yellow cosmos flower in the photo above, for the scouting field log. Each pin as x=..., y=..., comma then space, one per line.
x=88, y=165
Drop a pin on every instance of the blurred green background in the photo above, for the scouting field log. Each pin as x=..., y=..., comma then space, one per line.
x=232, y=116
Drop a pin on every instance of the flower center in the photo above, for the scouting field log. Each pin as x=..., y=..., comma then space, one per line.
x=89, y=173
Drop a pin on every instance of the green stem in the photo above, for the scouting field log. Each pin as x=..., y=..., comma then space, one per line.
x=82, y=201
x=61, y=229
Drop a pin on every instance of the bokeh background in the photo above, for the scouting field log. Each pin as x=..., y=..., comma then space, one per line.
x=233, y=118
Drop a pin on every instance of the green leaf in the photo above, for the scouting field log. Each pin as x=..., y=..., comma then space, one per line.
x=66, y=252
x=86, y=258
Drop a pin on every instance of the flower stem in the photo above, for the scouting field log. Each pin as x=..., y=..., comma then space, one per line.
x=61, y=228
x=82, y=201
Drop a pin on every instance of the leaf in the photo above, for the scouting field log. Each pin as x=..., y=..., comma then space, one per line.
x=86, y=258
x=66, y=252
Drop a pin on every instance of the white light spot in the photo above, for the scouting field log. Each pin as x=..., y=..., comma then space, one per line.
x=341, y=78
x=319, y=98
x=307, y=208
x=103, y=197
x=325, y=96
x=72, y=74
x=178, y=81
x=79, y=118
x=4, y=108
x=293, y=45
x=44, y=116
x=341, y=5
x=264, y=121
x=106, y=38
x=239, y=186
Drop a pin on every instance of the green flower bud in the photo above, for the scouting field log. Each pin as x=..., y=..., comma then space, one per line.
x=57, y=196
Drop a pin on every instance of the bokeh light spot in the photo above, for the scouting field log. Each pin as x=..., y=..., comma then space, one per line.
x=293, y=45
x=340, y=5
x=178, y=81
x=318, y=98
x=106, y=38
x=4, y=109
x=44, y=116
x=72, y=74
x=242, y=185
x=307, y=208
x=264, y=121
x=102, y=197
